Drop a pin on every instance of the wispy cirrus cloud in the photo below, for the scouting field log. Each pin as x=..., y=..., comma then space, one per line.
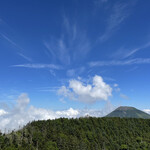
x=25, y=57
x=72, y=43
x=10, y=41
x=19, y=49
x=120, y=11
x=120, y=62
x=125, y=53
x=39, y=66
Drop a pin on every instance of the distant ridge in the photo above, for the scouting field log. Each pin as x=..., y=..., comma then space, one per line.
x=128, y=112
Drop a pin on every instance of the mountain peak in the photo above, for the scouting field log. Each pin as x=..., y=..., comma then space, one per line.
x=128, y=112
x=125, y=108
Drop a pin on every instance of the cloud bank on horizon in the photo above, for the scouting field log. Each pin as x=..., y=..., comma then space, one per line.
x=22, y=113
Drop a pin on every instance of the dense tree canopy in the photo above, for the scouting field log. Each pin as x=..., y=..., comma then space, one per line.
x=80, y=134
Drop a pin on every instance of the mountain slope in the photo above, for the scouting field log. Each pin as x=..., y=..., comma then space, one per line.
x=128, y=112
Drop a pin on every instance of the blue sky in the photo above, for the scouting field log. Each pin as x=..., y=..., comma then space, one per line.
x=47, y=45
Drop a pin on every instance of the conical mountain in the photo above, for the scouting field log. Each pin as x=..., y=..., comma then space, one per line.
x=128, y=112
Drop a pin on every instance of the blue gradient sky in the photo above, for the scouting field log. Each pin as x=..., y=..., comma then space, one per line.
x=45, y=44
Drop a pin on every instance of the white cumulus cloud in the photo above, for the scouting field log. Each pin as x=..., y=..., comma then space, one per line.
x=87, y=93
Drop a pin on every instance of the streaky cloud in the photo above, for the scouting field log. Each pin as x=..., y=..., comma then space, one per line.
x=20, y=53
x=9, y=40
x=39, y=66
x=131, y=52
x=120, y=62
x=25, y=57
x=71, y=43
x=120, y=12
x=125, y=53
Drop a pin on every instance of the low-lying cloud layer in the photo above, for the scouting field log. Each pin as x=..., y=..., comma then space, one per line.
x=88, y=93
x=22, y=113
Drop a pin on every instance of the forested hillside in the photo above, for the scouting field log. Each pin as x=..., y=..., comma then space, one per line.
x=80, y=134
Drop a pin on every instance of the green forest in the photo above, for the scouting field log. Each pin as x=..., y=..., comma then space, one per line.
x=80, y=134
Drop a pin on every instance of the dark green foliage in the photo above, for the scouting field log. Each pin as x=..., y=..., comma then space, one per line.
x=128, y=112
x=80, y=134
